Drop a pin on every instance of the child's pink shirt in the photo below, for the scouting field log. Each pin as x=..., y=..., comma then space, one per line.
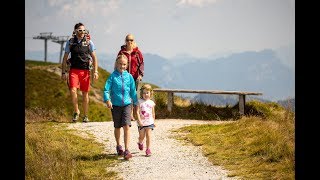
x=146, y=111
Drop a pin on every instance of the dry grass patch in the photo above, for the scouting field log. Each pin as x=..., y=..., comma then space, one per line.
x=53, y=152
x=251, y=148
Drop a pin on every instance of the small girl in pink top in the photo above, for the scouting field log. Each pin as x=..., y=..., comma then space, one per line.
x=146, y=117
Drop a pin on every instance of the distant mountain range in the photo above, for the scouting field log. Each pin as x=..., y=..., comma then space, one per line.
x=262, y=71
x=248, y=71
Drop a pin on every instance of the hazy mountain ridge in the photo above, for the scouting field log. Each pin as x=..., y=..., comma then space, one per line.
x=248, y=71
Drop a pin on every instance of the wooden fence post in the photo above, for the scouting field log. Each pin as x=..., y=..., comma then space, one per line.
x=170, y=101
x=242, y=102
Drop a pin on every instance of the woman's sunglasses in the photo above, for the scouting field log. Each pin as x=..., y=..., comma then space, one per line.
x=81, y=30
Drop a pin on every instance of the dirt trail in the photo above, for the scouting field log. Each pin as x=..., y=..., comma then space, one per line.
x=171, y=159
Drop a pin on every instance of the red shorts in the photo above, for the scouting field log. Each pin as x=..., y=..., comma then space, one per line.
x=79, y=78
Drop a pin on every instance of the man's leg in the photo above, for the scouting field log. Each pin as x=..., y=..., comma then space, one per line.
x=74, y=96
x=84, y=80
x=85, y=102
x=74, y=85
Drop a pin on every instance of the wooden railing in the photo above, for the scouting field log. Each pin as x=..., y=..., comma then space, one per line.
x=242, y=95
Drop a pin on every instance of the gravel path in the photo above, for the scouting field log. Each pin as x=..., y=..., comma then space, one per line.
x=170, y=159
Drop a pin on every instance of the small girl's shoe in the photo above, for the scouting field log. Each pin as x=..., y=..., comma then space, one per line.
x=148, y=152
x=140, y=146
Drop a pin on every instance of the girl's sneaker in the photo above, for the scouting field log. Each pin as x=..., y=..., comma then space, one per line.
x=127, y=155
x=148, y=152
x=119, y=150
x=140, y=146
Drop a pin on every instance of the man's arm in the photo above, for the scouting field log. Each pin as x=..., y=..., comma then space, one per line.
x=64, y=66
x=65, y=58
x=64, y=62
x=95, y=64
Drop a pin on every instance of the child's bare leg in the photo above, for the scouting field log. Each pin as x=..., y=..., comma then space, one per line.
x=126, y=130
x=117, y=135
x=148, y=137
x=142, y=134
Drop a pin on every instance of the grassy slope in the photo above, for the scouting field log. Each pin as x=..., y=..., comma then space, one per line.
x=46, y=93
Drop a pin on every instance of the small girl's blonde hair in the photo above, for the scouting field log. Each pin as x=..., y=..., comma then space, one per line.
x=148, y=88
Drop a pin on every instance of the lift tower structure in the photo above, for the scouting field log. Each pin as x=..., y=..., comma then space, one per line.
x=45, y=36
x=61, y=40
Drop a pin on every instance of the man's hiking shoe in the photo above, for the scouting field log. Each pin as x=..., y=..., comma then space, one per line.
x=127, y=155
x=148, y=152
x=140, y=146
x=75, y=117
x=119, y=150
x=85, y=119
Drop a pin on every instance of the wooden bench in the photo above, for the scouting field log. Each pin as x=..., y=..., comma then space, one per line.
x=242, y=95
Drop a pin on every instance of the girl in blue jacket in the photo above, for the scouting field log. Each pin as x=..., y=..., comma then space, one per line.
x=119, y=92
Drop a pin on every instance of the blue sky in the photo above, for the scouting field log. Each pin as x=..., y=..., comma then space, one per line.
x=200, y=28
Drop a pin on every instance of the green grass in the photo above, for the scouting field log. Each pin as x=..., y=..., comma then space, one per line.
x=264, y=110
x=252, y=147
x=31, y=63
x=52, y=152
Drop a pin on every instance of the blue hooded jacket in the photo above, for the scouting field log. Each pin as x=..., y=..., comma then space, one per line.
x=120, y=88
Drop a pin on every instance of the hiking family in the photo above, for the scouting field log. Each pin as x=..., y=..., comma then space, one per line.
x=122, y=93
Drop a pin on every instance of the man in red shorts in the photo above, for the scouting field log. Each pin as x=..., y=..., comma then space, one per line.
x=82, y=59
